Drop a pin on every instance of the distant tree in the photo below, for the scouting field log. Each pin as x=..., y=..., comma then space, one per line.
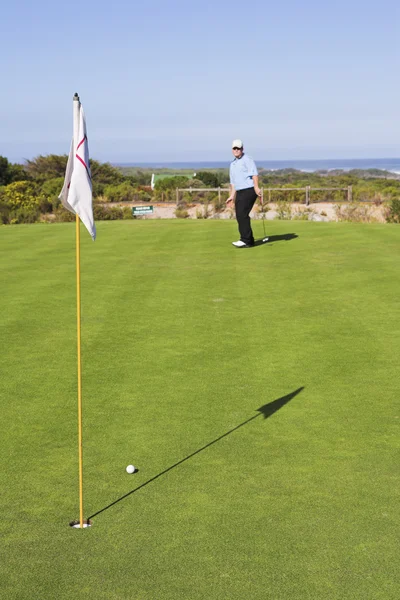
x=10, y=172
x=17, y=173
x=137, y=177
x=52, y=187
x=209, y=179
x=123, y=192
x=4, y=171
x=105, y=174
x=53, y=166
x=46, y=167
x=170, y=183
x=393, y=214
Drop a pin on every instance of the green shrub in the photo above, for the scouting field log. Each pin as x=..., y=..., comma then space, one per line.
x=202, y=213
x=171, y=183
x=115, y=213
x=63, y=215
x=181, y=212
x=144, y=196
x=101, y=213
x=393, y=211
x=24, y=214
x=284, y=210
x=354, y=213
x=124, y=192
x=106, y=213
x=218, y=203
x=4, y=213
x=20, y=194
x=305, y=214
x=52, y=187
x=127, y=213
x=208, y=179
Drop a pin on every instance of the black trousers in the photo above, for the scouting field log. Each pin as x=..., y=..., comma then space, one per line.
x=244, y=202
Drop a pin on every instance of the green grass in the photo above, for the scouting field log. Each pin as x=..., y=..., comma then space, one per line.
x=183, y=339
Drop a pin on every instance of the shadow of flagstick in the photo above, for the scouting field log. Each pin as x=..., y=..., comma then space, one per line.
x=267, y=411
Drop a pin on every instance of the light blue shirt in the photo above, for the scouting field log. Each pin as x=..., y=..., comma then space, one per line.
x=241, y=172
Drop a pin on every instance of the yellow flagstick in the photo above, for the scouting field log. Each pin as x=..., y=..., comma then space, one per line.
x=76, y=109
x=78, y=323
x=76, y=196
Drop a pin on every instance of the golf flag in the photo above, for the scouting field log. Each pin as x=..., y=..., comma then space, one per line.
x=76, y=194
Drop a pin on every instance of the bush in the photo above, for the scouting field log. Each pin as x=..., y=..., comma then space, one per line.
x=20, y=194
x=52, y=187
x=181, y=213
x=218, y=204
x=124, y=192
x=127, y=213
x=171, y=183
x=144, y=196
x=354, y=213
x=4, y=213
x=115, y=213
x=208, y=179
x=105, y=174
x=202, y=214
x=47, y=167
x=24, y=214
x=10, y=172
x=306, y=214
x=284, y=210
x=194, y=183
x=393, y=212
x=103, y=213
x=62, y=215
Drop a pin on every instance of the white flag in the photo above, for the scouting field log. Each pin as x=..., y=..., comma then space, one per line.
x=76, y=195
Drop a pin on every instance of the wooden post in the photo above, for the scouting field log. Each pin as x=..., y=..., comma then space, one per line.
x=177, y=196
x=307, y=195
x=219, y=196
x=269, y=196
x=350, y=193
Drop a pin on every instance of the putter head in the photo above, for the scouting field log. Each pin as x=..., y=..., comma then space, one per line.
x=265, y=240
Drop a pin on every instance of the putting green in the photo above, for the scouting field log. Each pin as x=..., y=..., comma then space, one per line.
x=184, y=338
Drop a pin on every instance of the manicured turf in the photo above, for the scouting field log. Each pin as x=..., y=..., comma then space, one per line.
x=183, y=339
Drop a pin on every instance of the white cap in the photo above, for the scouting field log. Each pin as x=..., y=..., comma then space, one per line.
x=237, y=144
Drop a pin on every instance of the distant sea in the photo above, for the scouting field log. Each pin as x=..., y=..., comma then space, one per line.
x=346, y=164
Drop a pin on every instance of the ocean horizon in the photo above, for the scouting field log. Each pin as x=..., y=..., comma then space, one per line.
x=345, y=164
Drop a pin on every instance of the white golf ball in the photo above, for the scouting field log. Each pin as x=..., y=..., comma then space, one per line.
x=130, y=469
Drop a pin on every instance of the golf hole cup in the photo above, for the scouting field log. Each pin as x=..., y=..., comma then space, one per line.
x=77, y=524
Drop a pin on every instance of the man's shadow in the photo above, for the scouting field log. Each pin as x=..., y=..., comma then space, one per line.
x=285, y=237
x=266, y=411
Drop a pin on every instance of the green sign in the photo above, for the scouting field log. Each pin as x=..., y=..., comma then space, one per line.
x=142, y=210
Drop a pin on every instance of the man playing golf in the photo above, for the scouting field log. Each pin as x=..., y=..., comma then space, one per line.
x=244, y=190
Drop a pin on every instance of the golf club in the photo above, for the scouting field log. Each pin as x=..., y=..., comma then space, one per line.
x=265, y=239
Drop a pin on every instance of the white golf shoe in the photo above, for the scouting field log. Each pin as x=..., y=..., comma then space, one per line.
x=239, y=244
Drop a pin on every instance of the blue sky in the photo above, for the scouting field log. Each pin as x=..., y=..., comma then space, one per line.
x=177, y=81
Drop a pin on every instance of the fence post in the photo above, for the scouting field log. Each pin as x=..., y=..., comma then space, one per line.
x=269, y=196
x=219, y=196
x=177, y=196
x=307, y=195
x=350, y=193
